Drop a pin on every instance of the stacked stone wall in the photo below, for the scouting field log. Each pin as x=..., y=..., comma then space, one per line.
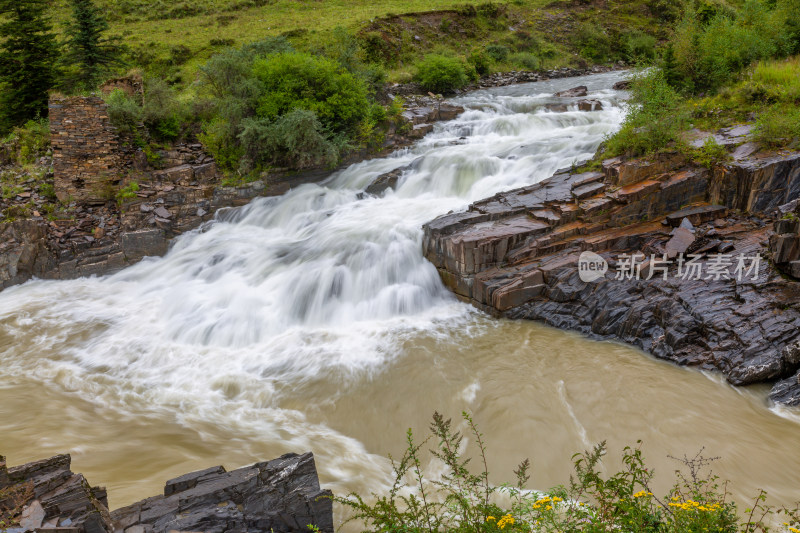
x=87, y=160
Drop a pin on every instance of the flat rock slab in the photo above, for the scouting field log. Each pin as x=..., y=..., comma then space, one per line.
x=588, y=190
x=680, y=242
x=697, y=215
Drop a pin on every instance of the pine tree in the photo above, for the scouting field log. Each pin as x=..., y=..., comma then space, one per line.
x=670, y=68
x=89, y=50
x=28, y=52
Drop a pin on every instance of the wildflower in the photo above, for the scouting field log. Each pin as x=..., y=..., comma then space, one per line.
x=504, y=521
x=490, y=518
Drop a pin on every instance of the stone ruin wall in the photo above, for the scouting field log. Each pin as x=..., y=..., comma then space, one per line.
x=87, y=157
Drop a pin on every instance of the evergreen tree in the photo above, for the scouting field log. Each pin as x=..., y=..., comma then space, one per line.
x=89, y=51
x=670, y=68
x=28, y=52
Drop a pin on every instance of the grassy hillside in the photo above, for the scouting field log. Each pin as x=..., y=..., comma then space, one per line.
x=179, y=36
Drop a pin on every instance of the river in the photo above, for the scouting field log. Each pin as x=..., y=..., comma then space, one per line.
x=311, y=321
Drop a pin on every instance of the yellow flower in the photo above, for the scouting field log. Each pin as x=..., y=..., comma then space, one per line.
x=490, y=518
x=506, y=520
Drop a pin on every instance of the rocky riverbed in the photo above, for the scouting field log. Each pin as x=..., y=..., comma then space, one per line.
x=734, y=309
x=279, y=495
x=185, y=191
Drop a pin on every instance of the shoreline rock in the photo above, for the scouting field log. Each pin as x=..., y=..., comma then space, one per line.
x=516, y=255
x=280, y=495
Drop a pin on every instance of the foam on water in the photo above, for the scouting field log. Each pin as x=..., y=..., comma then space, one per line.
x=323, y=283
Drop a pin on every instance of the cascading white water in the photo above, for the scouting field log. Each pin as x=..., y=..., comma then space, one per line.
x=322, y=281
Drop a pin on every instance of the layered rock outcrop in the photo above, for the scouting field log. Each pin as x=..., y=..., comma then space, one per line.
x=282, y=495
x=180, y=189
x=517, y=255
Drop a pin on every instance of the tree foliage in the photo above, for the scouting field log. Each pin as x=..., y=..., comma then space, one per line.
x=28, y=52
x=87, y=47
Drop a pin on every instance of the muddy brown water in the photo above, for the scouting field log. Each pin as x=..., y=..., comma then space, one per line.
x=534, y=392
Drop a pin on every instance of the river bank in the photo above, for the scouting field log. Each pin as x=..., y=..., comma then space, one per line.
x=517, y=255
x=183, y=191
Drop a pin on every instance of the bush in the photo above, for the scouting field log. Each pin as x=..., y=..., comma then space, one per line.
x=123, y=111
x=301, y=81
x=162, y=113
x=127, y=193
x=441, y=74
x=654, y=120
x=640, y=47
x=296, y=140
x=498, y=52
x=525, y=60
x=593, y=43
x=707, y=55
x=480, y=61
x=711, y=153
x=666, y=10
x=462, y=499
x=29, y=142
x=778, y=127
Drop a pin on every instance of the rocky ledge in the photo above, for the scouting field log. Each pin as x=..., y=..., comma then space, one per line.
x=282, y=495
x=635, y=225
x=184, y=191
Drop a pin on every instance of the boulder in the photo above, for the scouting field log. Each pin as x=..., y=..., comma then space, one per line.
x=787, y=391
x=575, y=92
x=385, y=181
x=590, y=105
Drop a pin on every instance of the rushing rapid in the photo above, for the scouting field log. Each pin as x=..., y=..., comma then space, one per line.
x=311, y=321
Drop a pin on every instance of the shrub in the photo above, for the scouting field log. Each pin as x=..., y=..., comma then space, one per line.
x=707, y=55
x=525, y=60
x=666, y=10
x=296, y=139
x=640, y=47
x=161, y=114
x=593, y=43
x=123, y=111
x=480, y=61
x=127, y=193
x=29, y=142
x=710, y=153
x=301, y=81
x=441, y=74
x=654, y=118
x=778, y=127
x=498, y=52
x=219, y=138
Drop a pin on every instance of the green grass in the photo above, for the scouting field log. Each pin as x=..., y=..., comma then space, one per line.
x=769, y=91
x=158, y=30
